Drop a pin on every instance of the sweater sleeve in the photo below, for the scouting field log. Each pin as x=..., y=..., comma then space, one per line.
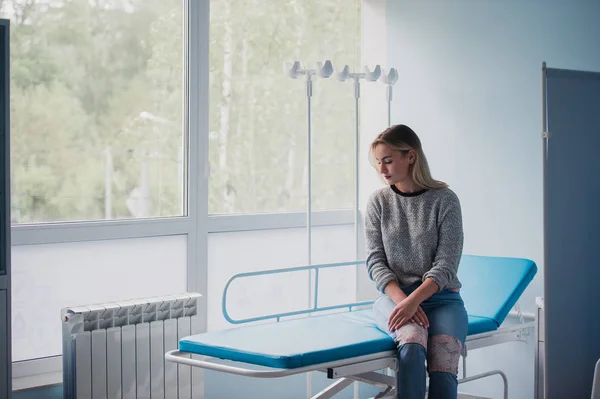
x=450, y=243
x=376, y=261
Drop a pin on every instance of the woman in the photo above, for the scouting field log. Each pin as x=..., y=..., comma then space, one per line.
x=414, y=240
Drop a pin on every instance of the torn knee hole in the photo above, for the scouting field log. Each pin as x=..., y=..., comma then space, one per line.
x=443, y=354
x=412, y=333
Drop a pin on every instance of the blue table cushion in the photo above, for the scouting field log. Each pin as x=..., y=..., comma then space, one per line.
x=294, y=343
x=304, y=342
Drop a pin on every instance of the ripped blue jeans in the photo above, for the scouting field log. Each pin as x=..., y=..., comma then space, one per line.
x=435, y=350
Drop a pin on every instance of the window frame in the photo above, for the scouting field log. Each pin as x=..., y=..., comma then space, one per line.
x=113, y=230
x=47, y=371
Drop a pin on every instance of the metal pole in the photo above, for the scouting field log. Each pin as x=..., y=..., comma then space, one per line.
x=389, y=104
x=309, y=186
x=309, y=209
x=356, y=168
x=309, y=161
x=356, y=192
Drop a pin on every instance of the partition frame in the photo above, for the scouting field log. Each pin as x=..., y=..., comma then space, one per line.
x=545, y=137
x=5, y=236
x=571, y=294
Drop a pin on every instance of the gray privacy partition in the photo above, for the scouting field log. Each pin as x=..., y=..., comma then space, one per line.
x=571, y=231
x=5, y=341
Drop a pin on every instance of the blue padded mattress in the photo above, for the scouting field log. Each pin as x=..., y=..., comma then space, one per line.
x=304, y=342
x=294, y=343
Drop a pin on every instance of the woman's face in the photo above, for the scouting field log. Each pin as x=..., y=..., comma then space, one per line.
x=393, y=165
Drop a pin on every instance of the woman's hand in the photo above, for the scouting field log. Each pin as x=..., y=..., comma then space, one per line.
x=404, y=313
x=421, y=318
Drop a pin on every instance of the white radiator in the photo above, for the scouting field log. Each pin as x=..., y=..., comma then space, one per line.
x=116, y=350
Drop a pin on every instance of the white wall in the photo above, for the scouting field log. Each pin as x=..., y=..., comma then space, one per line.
x=49, y=277
x=470, y=86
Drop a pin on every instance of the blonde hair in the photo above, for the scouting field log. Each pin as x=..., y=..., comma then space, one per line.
x=402, y=138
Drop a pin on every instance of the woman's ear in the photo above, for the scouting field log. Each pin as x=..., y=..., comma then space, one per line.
x=411, y=157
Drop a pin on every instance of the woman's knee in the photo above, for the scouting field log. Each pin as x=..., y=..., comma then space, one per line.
x=443, y=354
x=412, y=343
x=412, y=333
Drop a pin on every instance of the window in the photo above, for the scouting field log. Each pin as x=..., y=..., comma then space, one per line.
x=258, y=116
x=97, y=109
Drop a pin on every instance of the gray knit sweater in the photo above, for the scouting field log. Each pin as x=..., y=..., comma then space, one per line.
x=410, y=237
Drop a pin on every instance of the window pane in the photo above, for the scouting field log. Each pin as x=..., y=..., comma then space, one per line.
x=258, y=116
x=96, y=109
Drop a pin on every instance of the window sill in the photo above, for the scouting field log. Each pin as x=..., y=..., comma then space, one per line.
x=37, y=373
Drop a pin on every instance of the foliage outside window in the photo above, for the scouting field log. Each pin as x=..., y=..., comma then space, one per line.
x=258, y=116
x=96, y=109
